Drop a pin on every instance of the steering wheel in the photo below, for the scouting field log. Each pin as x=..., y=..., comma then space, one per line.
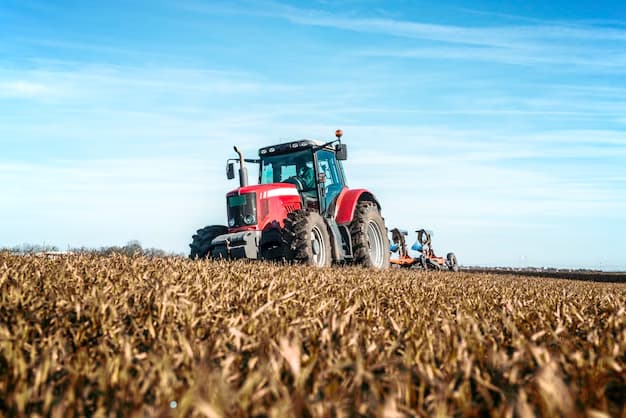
x=296, y=181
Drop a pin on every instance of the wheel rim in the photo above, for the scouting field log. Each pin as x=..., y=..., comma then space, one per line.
x=318, y=247
x=375, y=238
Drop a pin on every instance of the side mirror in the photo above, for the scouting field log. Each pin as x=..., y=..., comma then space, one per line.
x=230, y=171
x=341, y=151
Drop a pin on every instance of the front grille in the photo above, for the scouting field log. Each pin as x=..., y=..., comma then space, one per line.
x=241, y=210
x=291, y=208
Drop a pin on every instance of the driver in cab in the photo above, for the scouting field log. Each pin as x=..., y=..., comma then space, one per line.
x=305, y=176
x=305, y=173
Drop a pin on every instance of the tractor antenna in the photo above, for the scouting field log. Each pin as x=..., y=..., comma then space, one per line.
x=243, y=171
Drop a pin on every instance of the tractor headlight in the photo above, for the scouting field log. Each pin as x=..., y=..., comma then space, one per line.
x=249, y=219
x=231, y=222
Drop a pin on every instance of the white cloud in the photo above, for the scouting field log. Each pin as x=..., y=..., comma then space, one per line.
x=597, y=59
x=24, y=89
x=499, y=36
x=85, y=82
x=539, y=43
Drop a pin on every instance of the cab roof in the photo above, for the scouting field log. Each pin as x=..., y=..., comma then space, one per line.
x=292, y=146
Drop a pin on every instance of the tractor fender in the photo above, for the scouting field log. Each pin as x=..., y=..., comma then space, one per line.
x=347, y=201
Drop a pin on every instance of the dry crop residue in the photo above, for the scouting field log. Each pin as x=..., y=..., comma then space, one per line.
x=84, y=335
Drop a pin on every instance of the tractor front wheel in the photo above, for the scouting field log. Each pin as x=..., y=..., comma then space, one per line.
x=201, y=241
x=307, y=236
x=370, y=243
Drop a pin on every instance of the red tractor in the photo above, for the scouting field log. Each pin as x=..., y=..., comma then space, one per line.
x=301, y=211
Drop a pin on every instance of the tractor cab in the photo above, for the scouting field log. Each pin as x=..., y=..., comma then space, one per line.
x=313, y=167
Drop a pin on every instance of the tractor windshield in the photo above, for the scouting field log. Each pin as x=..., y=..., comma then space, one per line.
x=295, y=167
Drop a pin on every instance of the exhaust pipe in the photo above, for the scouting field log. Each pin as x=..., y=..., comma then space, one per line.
x=243, y=171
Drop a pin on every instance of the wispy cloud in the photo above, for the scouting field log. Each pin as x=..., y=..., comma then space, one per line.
x=498, y=36
x=23, y=89
x=536, y=43
x=101, y=47
x=598, y=59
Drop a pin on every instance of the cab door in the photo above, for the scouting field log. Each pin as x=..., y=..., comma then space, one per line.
x=328, y=166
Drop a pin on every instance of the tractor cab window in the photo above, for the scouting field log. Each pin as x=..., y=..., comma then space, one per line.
x=333, y=180
x=296, y=168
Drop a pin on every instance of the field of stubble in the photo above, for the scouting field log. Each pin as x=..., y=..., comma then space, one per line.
x=119, y=336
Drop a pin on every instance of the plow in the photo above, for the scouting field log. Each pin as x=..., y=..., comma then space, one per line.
x=427, y=260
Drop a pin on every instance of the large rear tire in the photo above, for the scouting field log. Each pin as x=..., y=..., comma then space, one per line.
x=370, y=243
x=201, y=241
x=306, y=235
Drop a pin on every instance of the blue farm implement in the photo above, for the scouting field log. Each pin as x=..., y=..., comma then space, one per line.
x=427, y=260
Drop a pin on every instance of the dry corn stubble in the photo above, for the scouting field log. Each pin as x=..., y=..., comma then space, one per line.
x=83, y=335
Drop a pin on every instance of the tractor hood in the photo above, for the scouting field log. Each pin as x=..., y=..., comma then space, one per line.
x=267, y=190
x=262, y=206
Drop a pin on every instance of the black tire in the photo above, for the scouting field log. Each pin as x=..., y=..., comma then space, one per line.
x=306, y=235
x=370, y=241
x=452, y=263
x=432, y=265
x=201, y=241
x=422, y=264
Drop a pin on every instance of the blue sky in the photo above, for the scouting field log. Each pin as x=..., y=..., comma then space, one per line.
x=502, y=127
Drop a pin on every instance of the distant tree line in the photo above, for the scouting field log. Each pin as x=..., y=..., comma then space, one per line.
x=131, y=248
x=27, y=248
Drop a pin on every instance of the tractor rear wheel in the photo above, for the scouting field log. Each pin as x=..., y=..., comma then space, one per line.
x=201, y=241
x=307, y=237
x=370, y=243
x=452, y=263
